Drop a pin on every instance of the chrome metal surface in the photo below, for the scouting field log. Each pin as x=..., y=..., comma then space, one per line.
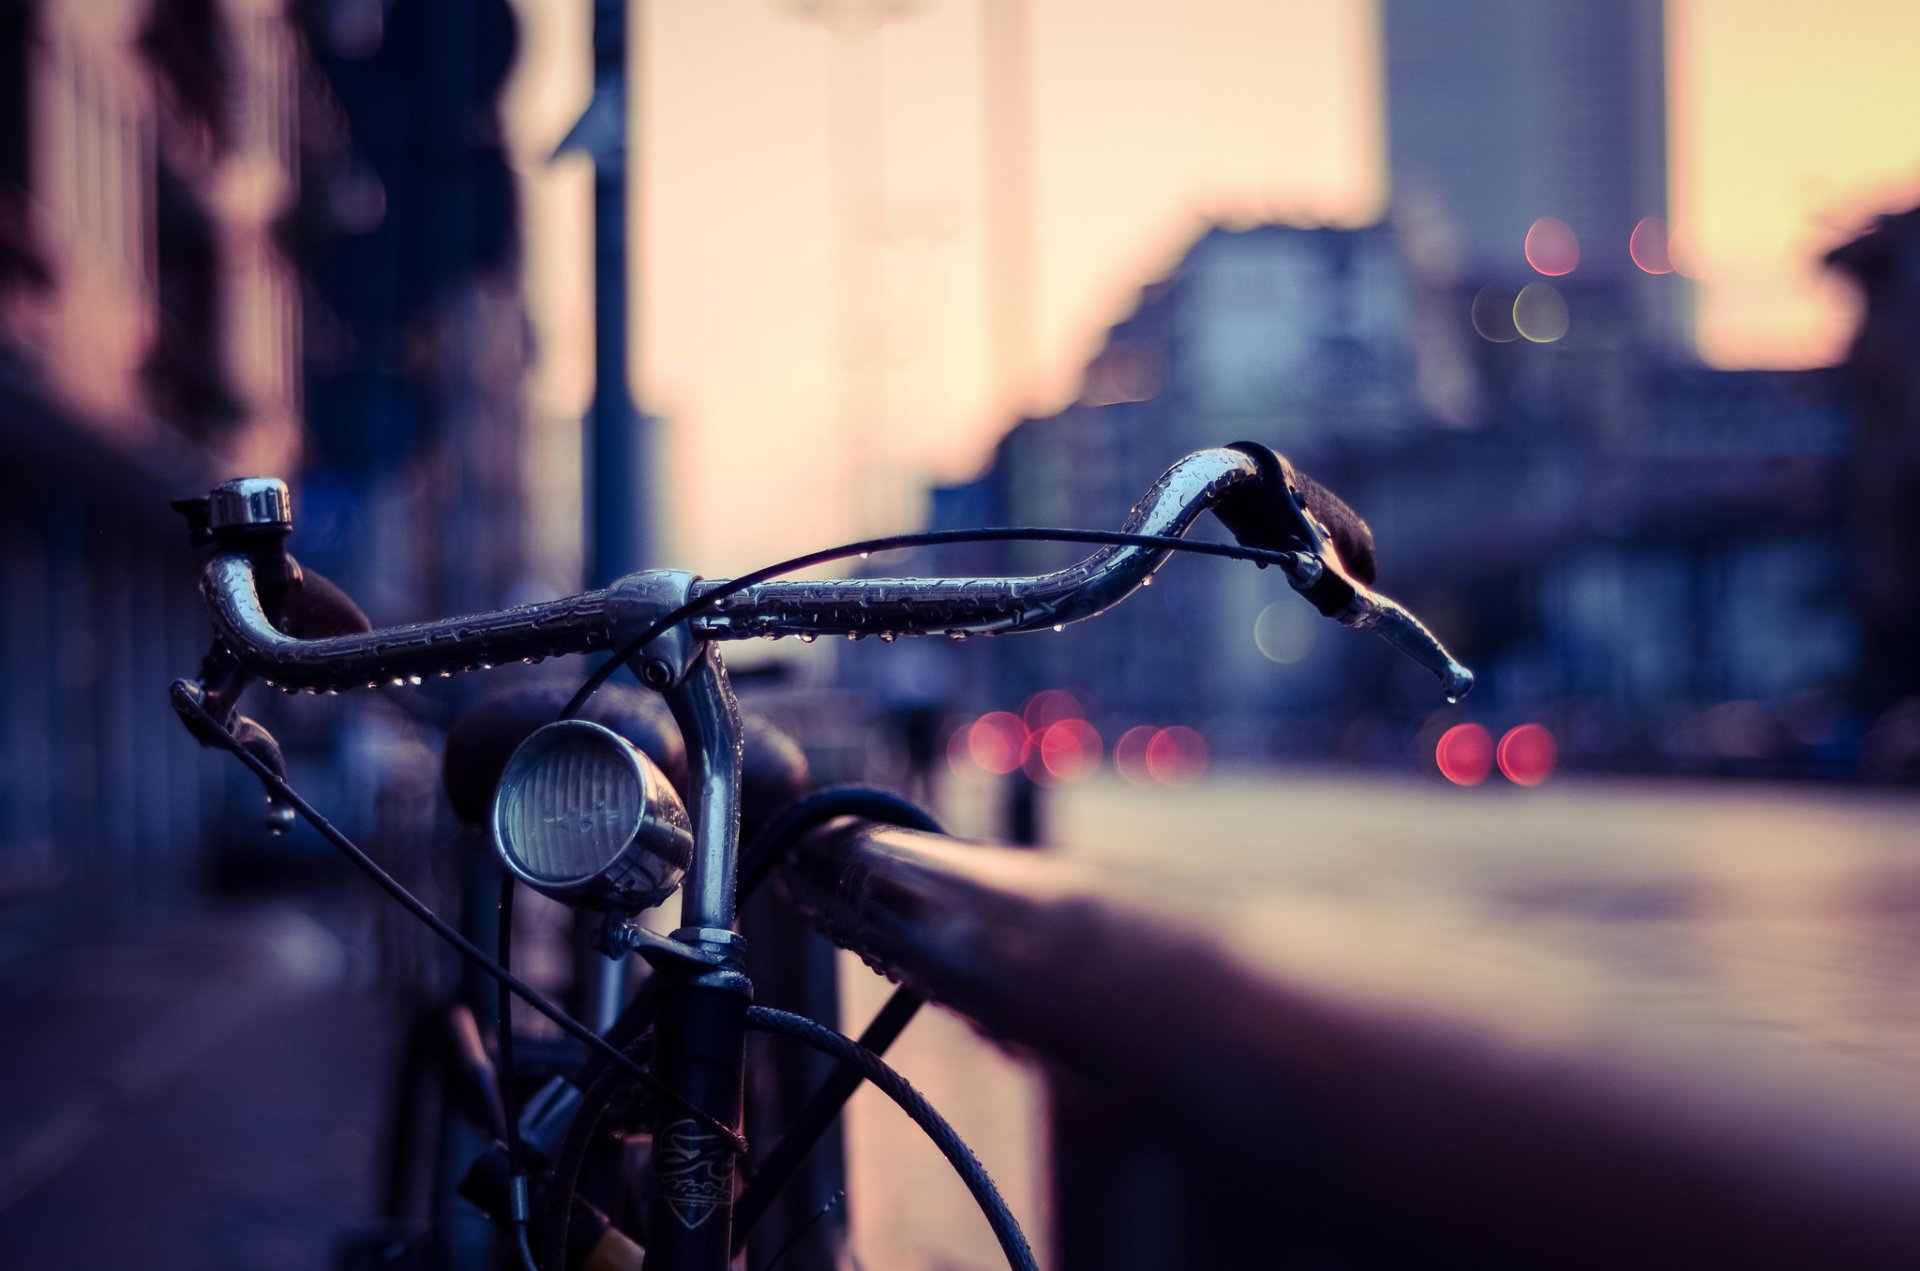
x=703, y=704
x=861, y=606
x=982, y=606
x=582, y=816
x=1495, y=1091
x=249, y=502
x=1374, y=612
x=637, y=601
x=574, y=624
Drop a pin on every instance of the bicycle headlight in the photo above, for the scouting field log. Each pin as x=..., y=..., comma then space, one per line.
x=584, y=817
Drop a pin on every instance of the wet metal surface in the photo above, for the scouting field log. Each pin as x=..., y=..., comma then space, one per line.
x=1663, y=1021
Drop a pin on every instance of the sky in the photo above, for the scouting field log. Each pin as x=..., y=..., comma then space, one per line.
x=813, y=307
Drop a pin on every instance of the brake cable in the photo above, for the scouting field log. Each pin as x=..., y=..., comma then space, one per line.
x=185, y=701
x=1260, y=556
x=852, y=1055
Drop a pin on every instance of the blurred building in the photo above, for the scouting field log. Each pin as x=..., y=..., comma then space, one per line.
x=1656, y=559
x=1300, y=338
x=149, y=345
x=1504, y=114
x=236, y=236
x=418, y=341
x=1647, y=554
x=1885, y=263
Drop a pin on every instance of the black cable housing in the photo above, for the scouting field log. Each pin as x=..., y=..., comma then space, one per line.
x=187, y=702
x=1006, y=1229
x=1260, y=556
x=509, y=1105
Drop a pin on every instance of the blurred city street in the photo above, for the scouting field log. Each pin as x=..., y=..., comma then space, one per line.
x=208, y=1093
x=494, y=325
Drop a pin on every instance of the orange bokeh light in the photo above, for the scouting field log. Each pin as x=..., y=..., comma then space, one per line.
x=1464, y=754
x=1527, y=754
x=1552, y=247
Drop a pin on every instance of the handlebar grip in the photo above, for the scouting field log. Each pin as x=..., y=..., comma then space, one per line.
x=1275, y=513
x=313, y=608
x=1352, y=536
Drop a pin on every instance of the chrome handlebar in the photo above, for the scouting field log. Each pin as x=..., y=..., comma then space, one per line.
x=985, y=606
x=608, y=618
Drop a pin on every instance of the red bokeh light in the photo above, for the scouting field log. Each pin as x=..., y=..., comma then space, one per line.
x=1464, y=754
x=1130, y=755
x=1177, y=756
x=1050, y=706
x=1527, y=754
x=998, y=742
x=1648, y=246
x=1552, y=247
x=1070, y=750
x=959, y=757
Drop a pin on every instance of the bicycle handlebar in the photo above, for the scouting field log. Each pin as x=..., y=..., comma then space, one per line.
x=1255, y=492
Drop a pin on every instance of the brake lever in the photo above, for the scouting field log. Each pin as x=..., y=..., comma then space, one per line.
x=1398, y=627
x=252, y=736
x=1320, y=574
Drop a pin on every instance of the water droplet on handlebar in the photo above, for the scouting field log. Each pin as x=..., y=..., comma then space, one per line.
x=1147, y=581
x=446, y=675
x=956, y=635
x=1453, y=699
x=855, y=635
x=806, y=637
x=865, y=555
x=769, y=635
x=399, y=682
x=1059, y=626
x=413, y=680
x=888, y=637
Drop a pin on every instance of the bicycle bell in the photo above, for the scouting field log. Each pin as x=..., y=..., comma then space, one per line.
x=582, y=816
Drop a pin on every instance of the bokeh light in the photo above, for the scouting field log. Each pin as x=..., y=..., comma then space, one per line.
x=1648, y=246
x=1552, y=247
x=1526, y=755
x=1177, y=756
x=1540, y=313
x=1464, y=754
x=1284, y=631
x=1069, y=750
x=1493, y=315
x=1050, y=706
x=1680, y=254
x=1130, y=755
x=998, y=742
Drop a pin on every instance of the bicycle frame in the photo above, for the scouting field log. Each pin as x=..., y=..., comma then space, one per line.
x=704, y=992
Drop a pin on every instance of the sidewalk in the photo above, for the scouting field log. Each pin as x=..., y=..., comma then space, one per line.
x=204, y=1095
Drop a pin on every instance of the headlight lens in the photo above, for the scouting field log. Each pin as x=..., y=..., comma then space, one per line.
x=584, y=817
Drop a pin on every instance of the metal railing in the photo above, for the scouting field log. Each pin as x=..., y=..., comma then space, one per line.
x=1207, y=1102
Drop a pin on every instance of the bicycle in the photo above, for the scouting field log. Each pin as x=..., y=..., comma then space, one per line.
x=584, y=816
